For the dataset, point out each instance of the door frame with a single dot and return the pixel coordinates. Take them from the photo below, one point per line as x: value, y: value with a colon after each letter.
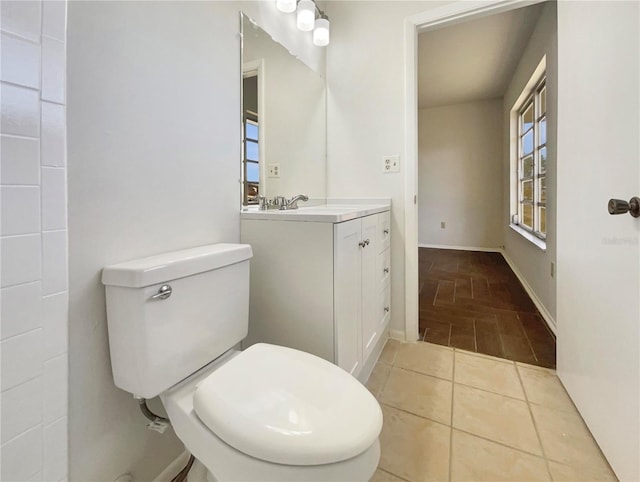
x: 255, y: 68
x: 446, y: 15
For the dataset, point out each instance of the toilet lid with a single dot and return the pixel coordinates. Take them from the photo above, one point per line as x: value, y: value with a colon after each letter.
x: 289, y: 407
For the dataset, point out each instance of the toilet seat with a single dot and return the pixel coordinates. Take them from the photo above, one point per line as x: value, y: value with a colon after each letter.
x: 227, y: 463
x: 288, y: 407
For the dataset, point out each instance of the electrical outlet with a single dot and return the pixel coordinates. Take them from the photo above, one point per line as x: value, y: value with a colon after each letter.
x: 442, y: 224
x: 553, y: 269
x: 391, y: 163
x: 273, y: 170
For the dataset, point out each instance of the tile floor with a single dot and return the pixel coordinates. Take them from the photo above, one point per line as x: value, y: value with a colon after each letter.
x: 456, y: 415
x: 473, y: 301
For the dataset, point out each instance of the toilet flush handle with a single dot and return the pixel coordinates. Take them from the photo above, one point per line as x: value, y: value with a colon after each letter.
x: 163, y: 293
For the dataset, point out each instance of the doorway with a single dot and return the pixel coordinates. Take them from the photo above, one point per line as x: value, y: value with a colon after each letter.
x: 469, y: 77
x: 598, y: 255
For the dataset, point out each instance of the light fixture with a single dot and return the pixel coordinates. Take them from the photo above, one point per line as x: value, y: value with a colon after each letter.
x: 286, y: 6
x: 306, y: 15
x: 321, y: 31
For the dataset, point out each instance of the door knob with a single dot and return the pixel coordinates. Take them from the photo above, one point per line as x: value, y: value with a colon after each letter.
x: 618, y: 206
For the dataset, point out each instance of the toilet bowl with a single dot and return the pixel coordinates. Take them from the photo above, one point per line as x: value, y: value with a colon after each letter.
x: 267, y: 413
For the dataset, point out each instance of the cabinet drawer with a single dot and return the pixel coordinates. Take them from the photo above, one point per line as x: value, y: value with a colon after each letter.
x: 384, y: 234
x: 383, y: 267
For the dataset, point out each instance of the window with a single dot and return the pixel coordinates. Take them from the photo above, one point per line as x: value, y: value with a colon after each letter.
x: 532, y: 163
x: 250, y: 159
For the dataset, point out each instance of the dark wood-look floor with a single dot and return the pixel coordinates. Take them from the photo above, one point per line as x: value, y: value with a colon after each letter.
x: 473, y: 301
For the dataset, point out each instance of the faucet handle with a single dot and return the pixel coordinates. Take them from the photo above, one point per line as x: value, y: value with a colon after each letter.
x: 280, y: 202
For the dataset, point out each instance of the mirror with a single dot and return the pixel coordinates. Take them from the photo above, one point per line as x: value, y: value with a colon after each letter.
x: 283, y: 121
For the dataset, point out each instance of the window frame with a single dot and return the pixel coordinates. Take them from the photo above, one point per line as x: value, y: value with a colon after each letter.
x: 537, y: 175
x: 249, y: 117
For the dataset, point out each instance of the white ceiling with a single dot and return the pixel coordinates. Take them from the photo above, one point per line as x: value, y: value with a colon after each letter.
x: 472, y: 60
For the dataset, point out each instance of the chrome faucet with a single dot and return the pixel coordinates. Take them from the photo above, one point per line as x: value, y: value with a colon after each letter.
x: 293, y: 202
x: 263, y: 203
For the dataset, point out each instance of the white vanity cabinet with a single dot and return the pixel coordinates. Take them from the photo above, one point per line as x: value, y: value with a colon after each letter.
x: 361, y: 288
x: 322, y: 287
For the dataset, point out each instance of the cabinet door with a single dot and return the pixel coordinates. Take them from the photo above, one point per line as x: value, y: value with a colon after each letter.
x: 348, y: 295
x: 370, y: 286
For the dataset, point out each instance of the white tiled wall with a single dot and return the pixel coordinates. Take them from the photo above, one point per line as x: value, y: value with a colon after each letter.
x: 33, y: 230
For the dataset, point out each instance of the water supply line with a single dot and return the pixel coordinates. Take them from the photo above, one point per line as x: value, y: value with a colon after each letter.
x: 158, y: 424
x: 144, y: 408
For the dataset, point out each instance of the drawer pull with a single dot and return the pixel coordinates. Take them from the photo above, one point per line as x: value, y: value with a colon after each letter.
x: 386, y: 309
x: 386, y: 231
x: 386, y: 270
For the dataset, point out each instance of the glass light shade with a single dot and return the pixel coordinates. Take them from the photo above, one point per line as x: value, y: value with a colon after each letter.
x: 321, y: 32
x: 306, y: 15
x: 286, y: 6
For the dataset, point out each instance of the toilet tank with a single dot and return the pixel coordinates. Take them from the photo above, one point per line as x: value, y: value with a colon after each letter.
x: 156, y: 342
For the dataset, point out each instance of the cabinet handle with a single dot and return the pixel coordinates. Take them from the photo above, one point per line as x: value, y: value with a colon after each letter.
x: 364, y: 243
x: 386, y: 270
x: 386, y: 231
x: 386, y: 309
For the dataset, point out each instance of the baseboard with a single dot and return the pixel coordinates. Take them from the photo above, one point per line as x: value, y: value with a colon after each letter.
x: 397, y: 335
x: 461, y: 248
x: 173, y: 468
x: 551, y: 323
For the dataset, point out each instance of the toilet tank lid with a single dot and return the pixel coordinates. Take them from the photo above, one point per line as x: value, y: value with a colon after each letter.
x: 156, y: 269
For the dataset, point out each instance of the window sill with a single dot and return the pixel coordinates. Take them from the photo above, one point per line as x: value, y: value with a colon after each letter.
x: 539, y: 243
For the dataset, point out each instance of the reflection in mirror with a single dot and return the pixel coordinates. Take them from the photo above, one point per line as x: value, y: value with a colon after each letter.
x: 283, y: 121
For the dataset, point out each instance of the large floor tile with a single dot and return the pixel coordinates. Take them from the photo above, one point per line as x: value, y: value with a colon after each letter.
x: 471, y: 292
x: 423, y: 395
x: 495, y: 417
x: 480, y: 372
x: 382, y: 476
x: 414, y: 448
x: 566, y: 473
x: 426, y: 358
x: 565, y: 438
x: 388, y: 354
x: 473, y: 458
x: 378, y: 378
x: 544, y: 388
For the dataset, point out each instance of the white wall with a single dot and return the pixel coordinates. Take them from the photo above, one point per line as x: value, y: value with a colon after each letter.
x: 460, y: 174
x: 34, y: 242
x: 365, y: 113
x: 154, y: 165
x: 533, y: 263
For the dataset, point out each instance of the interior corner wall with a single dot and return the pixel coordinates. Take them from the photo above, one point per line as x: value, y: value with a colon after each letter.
x: 460, y: 175
x: 365, y: 114
x: 154, y: 141
x: 533, y: 263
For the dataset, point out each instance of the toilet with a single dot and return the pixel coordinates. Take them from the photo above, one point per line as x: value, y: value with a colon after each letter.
x: 268, y: 413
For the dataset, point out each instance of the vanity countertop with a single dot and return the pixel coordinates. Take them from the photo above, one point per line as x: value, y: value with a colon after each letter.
x: 323, y: 213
